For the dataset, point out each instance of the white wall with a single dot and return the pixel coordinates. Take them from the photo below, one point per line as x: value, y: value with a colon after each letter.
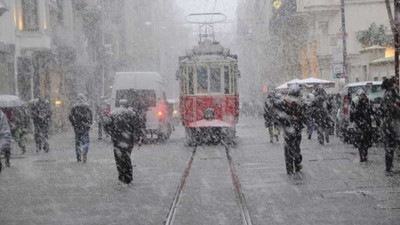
x: 7, y: 27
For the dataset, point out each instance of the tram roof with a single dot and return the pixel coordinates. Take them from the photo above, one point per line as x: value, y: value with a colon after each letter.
x: 206, y: 51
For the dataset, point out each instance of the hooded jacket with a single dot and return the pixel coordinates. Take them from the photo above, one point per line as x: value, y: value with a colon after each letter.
x: 81, y: 116
x: 5, y: 134
x: 123, y: 127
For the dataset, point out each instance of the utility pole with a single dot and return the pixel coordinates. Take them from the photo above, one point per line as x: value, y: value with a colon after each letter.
x: 396, y: 37
x: 103, y: 58
x: 346, y: 77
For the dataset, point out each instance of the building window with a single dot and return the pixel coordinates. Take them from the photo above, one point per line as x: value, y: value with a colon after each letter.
x: 30, y: 17
x: 324, y: 27
x: 56, y: 16
x: 333, y: 41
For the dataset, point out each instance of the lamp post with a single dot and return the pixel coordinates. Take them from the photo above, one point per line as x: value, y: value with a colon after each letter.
x: 346, y: 77
x: 396, y: 37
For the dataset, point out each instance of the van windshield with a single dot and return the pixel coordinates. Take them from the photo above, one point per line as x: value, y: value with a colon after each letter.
x: 137, y: 99
x: 373, y: 91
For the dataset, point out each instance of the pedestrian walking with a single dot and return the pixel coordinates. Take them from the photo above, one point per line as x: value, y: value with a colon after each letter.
x: 391, y: 121
x: 291, y: 117
x: 269, y: 118
x: 103, y: 111
x: 321, y: 115
x: 124, y: 128
x: 17, y: 119
x: 309, y: 114
x: 41, y: 116
x: 81, y: 118
x: 5, y: 140
x: 363, y: 117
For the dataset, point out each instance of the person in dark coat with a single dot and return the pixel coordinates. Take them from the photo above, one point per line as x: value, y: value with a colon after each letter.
x: 81, y: 118
x: 320, y: 115
x: 309, y: 114
x: 291, y: 116
x: 41, y: 116
x: 5, y: 139
x: 391, y: 120
x: 363, y: 116
x: 269, y: 117
x: 124, y: 128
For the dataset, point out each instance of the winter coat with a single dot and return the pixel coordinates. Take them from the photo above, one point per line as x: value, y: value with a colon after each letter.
x: 319, y: 111
x: 81, y: 117
x: 268, y: 113
x: 5, y: 134
x: 362, y: 115
x: 124, y: 128
x: 290, y: 114
x: 41, y: 114
x: 391, y: 115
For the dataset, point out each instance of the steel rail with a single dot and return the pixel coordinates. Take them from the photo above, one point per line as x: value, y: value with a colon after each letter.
x: 244, y: 210
x: 171, y: 214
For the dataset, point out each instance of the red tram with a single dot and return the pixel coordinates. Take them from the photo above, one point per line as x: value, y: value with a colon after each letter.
x: 209, y: 99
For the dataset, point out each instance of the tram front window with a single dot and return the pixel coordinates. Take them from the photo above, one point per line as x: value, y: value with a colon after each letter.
x: 215, y: 80
x: 202, y: 79
x: 190, y: 75
x: 226, y: 79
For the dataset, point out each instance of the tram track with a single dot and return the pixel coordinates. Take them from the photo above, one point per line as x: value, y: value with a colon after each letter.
x: 244, y: 211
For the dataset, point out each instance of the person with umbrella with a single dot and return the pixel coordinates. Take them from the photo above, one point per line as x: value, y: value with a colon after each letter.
x: 14, y: 110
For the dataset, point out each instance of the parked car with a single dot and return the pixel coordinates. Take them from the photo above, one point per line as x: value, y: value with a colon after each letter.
x: 375, y: 94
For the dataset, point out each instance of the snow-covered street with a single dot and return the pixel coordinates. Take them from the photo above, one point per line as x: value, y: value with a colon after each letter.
x: 333, y: 188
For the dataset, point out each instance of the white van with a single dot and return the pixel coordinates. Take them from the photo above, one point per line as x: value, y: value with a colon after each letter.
x: 145, y: 92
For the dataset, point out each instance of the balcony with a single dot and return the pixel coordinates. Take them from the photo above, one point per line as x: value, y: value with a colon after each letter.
x: 319, y: 6
x: 33, y: 40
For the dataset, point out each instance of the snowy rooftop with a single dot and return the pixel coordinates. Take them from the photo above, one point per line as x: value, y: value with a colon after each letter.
x: 383, y: 60
x: 364, y: 83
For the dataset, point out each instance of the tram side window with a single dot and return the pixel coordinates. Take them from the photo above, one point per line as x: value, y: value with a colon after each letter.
x: 190, y: 77
x: 234, y: 77
x: 202, y: 79
x: 215, y: 79
x: 226, y: 79
x: 183, y: 85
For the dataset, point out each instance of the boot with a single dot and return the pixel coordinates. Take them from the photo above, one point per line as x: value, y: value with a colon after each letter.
x: 84, y: 157
x: 299, y: 167
x: 78, y: 158
x: 289, y: 170
x: 7, y: 160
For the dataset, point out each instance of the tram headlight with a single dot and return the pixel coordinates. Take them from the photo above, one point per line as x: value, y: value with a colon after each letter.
x: 209, y: 114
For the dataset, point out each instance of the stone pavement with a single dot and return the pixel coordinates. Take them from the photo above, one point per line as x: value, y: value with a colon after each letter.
x: 333, y: 188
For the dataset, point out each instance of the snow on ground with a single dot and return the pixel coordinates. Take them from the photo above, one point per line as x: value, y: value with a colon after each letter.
x: 334, y: 187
